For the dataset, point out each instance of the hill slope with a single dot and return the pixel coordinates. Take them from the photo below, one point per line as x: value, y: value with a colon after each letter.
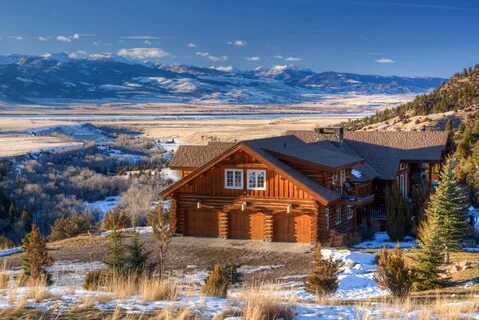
x: 460, y: 92
x: 57, y: 77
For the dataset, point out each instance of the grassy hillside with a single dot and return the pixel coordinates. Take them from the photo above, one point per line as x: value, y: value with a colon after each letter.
x: 458, y: 93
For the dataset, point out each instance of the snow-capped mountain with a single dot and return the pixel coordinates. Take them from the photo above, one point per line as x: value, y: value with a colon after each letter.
x: 62, y: 77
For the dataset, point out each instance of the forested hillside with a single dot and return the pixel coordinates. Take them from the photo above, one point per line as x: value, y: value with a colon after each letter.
x: 459, y: 92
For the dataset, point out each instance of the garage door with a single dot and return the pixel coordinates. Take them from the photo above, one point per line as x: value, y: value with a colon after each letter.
x: 202, y: 222
x: 292, y: 227
x: 246, y: 225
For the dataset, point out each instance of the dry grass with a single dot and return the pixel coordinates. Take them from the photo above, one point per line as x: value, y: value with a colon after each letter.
x: 174, y: 314
x: 38, y: 292
x: 157, y: 289
x: 262, y: 304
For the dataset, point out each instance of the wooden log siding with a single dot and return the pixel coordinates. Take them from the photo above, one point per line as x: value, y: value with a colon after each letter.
x: 173, y: 215
x: 223, y: 228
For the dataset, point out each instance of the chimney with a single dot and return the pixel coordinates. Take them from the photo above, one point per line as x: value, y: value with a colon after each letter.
x: 334, y: 134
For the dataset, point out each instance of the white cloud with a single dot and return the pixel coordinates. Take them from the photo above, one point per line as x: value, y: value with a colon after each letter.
x: 95, y: 43
x: 202, y: 54
x: 40, y: 38
x: 238, y: 43
x: 18, y: 38
x: 63, y: 39
x: 253, y: 58
x: 218, y: 59
x: 140, y: 37
x: 292, y: 59
x: 278, y: 56
x: 384, y: 61
x: 191, y: 45
x: 147, y: 43
x: 75, y: 36
x: 143, y: 53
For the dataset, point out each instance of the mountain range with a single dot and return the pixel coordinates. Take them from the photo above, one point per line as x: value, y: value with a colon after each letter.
x: 62, y: 78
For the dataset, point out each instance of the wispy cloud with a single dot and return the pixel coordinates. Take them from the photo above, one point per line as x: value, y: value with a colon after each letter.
x: 147, y: 43
x: 202, y: 54
x: 238, y: 43
x: 191, y: 45
x: 278, y: 56
x: 143, y: 53
x: 141, y: 37
x: 384, y: 61
x: 218, y: 59
x: 80, y: 54
x: 40, y: 38
x: 292, y: 59
x: 18, y: 38
x: 63, y: 38
x: 253, y: 58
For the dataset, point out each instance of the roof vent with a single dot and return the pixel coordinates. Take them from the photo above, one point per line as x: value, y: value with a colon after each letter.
x: 335, y: 134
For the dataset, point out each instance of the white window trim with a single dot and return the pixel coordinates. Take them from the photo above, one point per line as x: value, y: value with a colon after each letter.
x: 339, y: 215
x: 326, y: 217
x: 240, y: 171
x: 257, y: 171
x: 350, y: 212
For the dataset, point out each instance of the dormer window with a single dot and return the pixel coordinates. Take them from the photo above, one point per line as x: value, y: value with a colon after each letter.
x: 233, y: 179
x: 256, y: 179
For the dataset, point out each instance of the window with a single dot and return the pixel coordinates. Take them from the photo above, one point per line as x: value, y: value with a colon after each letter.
x: 350, y: 212
x: 403, y: 166
x: 334, y: 179
x: 326, y: 217
x: 233, y: 179
x: 256, y: 179
x: 338, y: 214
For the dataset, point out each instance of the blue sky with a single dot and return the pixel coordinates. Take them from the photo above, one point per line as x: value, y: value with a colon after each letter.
x: 401, y: 37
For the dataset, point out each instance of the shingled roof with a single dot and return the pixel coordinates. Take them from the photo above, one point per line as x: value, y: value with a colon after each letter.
x: 194, y: 156
x: 383, y: 150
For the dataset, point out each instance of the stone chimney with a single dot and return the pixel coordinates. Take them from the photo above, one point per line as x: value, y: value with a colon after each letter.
x: 334, y: 134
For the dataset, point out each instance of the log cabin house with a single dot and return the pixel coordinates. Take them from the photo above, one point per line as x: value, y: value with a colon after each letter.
x: 305, y: 186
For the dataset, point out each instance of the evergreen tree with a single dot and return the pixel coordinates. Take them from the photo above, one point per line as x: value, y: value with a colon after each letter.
x: 448, y: 127
x: 427, y: 257
x: 324, y: 278
x: 160, y: 224
x: 449, y: 209
x: 138, y: 256
x: 27, y: 221
x: 398, y: 214
x: 392, y: 274
x: 463, y: 149
x: 36, y: 259
x: 115, y: 260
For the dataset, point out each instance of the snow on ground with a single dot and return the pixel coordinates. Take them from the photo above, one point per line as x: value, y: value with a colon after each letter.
x: 381, y: 239
x: 102, y: 206
x: 173, y: 175
x: 140, y: 230
x: 9, y: 252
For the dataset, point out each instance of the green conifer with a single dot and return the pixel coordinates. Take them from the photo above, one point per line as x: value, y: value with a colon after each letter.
x: 115, y: 260
x: 137, y: 255
x: 398, y: 213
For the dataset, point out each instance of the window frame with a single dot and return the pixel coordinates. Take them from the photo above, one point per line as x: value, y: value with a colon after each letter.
x: 339, y: 214
x: 256, y: 179
x: 235, y: 171
x: 350, y: 213
x: 342, y: 176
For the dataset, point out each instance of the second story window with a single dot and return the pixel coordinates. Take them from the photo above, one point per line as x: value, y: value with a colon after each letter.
x: 338, y: 214
x: 256, y: 179
x: 350, y: 212
x: 233, y: 179
x: 342, y: 176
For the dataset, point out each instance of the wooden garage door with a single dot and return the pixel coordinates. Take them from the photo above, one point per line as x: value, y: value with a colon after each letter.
x: 202, y: 222
x: 246, y: 225
x: 292, y: 227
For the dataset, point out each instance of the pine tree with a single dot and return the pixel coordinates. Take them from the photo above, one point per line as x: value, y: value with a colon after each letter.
x: 398, y: 214
x: 36, y: 259
x: 27, y: 221
x: 427, y: 257
x: 392, y: 274
x: 115, y: 259
x: 324, y: 278
x: 448, y: 207
x: 448, y: 127
x: 137, y: 256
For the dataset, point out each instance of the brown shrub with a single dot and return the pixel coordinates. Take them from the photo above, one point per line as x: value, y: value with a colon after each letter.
x: 392, y: 274
x: 71, y: 226
x: 324, y: 278
x: 116, y: 220
x: 216, y: 284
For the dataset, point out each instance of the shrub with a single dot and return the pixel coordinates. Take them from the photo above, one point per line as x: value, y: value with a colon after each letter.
x: 367, y: 232
x: 216, y: 284
x: 5, y: 243
x: 324, y: 278
x: 94, y: 280
x: 266, y: 306
x: 159, y: 222
x: 137, y: 260
x: 398, y: 213
x: 115, y: 259
x: 35, y: 260
x: 68, y: 227
x: 116, y: 220
x: 234, y: 276
x: 392, y: 274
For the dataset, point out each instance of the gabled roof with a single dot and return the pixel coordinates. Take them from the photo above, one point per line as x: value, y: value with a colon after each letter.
x: 259, y: 148
x: 383, y: 150
x: 192, y: 156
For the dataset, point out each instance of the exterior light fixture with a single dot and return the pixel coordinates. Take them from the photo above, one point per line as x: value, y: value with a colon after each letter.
x: 289, y: 208
x: 243, y: 206
x: 198, y: 205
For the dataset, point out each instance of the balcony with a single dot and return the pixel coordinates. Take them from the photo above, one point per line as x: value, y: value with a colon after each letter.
x: 358, y: 192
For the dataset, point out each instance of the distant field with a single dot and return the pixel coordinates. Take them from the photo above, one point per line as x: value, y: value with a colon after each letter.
x: 21, y: 144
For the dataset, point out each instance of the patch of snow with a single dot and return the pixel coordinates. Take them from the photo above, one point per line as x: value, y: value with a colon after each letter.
x: 102, y: 206
x: 381, y: 239
x: 356, y: 173
x: 140, y: 230
x: 253, y: 269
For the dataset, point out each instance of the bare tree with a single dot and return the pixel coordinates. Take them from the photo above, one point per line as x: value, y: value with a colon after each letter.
x: 158, y: 220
